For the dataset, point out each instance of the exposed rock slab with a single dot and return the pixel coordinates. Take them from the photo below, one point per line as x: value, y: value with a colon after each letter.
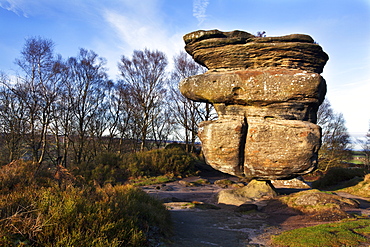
x: 320, y: 205
x: 294, y: 183
x: 241, y: 50
x: 255, y: 190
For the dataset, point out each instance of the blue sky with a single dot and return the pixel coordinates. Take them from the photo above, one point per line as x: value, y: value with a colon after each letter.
x: 113, y: 28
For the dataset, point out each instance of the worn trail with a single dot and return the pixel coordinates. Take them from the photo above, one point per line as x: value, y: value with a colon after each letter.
x: 225, y: 226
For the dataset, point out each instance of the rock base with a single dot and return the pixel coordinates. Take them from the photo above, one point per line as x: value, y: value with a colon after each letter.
x: 255, y: 190
x: 294, y: 183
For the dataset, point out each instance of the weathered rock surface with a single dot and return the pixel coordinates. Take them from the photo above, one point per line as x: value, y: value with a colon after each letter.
x: 225, y: 154
x: 266, y: 91
x: 320, y: 205
x: 255, y: 87
x: 294, y: 183
x: 280, y: 148
x: 255, y: 190
x: 241, y: 50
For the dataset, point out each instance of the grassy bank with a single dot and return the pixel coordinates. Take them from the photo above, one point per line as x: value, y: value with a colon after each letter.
x: 349, y: 233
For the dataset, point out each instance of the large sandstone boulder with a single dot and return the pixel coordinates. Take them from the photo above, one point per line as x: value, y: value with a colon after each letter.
x: 266, y: 91
x: 280, y: 148
x: 225, y: 150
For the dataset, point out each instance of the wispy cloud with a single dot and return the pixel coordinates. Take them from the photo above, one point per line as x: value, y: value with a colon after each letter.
x: 111, y: 27
x: 15, y: 6
x: 199, y: 10
x: 139, y: 27
x: 50, y: 8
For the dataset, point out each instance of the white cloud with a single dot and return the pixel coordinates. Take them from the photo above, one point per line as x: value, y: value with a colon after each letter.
x: 140, y: 27
x: 199, y: 10
x: 51, y: 8
x: 16, y: 6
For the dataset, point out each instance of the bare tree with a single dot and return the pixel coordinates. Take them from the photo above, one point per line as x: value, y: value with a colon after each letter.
x: 324, y: 114
x: 336, y: 142
x: 187, y: 113
x: 12, y: 121
x: 162, y: 125
x: 37, y: 88
x: 144, y: 77
x: 87, y: 94
x: 61, y: 124
x: 126, y: 111
x: 113, y: 113
x: 365, y: 144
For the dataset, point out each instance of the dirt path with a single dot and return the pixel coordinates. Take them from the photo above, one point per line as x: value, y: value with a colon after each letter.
x: 214, y: 228
x: 209, y: 227
x: 224, y: 226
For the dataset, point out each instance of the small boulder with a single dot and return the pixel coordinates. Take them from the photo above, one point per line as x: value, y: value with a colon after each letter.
x: 223, y: 183
x: 294, y: 183
x: 255, y: 190
x: 185, y: 183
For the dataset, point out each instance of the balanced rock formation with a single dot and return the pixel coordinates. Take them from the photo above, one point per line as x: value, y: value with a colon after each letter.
x: 266, y: 91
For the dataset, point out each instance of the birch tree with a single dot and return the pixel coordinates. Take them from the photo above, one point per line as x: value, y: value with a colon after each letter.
x: 144, y: 76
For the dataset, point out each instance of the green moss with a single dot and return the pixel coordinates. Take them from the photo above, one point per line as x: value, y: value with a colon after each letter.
x: 347, y: 233
x: 151, y: 180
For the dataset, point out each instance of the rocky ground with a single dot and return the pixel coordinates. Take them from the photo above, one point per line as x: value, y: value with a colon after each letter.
x: 200, y: 221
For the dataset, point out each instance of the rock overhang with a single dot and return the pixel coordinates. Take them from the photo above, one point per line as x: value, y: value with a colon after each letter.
x: 241, y: 50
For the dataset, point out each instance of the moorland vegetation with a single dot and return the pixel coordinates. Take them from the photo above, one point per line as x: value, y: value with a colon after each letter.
x: 72, y: 141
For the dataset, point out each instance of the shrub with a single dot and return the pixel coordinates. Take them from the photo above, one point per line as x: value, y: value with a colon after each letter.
x: 35, y: 213
x: 116, y: 169
x: 158, y: 162
x: 105, y: 168
x: 108, y: 216
x: 21, y: 173
x: 337, y: 175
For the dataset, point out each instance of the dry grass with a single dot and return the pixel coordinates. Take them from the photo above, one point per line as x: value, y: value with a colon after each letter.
x: 35, y: 215
x: 361, y: 189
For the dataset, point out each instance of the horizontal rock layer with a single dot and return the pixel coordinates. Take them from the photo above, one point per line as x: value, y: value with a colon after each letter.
x: 254, y: 87
x: 241, y: 50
